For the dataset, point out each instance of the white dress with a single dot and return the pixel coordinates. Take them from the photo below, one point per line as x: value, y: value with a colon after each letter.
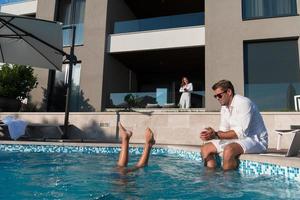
x: 185, y: 99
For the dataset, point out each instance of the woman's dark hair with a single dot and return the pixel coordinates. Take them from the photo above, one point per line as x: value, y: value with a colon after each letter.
x: 224, y: 84
x: 182, y: 81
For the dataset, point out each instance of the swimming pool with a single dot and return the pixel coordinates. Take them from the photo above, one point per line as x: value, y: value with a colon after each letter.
x: 69, y: 172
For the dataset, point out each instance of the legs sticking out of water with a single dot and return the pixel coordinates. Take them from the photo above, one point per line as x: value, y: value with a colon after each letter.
x: 149, y: 142
x: 125, y: 137
x: 123, y: 157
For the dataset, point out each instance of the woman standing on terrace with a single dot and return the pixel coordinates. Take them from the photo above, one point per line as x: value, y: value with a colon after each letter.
x: 186, y: 88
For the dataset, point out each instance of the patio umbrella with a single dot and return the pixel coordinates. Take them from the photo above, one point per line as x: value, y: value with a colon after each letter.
x: 35, y: 42
x: 30, y: 41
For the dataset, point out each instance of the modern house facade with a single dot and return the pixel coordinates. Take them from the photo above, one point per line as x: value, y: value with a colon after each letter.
x: 142, y: 49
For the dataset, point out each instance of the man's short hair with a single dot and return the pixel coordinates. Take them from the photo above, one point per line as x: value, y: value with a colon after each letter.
x: 224, y: 85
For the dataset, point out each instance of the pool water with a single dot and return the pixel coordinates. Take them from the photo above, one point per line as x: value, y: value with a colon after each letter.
x: 94, y: 176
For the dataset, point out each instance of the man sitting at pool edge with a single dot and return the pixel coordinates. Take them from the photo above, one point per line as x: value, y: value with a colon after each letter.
x: 241, y: 129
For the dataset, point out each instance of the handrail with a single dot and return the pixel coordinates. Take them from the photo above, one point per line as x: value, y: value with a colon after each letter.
x: 8, y: 2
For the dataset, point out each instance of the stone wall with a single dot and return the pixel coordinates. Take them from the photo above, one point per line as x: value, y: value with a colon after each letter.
x: 180, y: 128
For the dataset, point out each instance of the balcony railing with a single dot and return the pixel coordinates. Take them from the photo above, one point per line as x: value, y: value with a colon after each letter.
x: 138, y: 99
x: 67, y: 35
x: 184, y: 20
x: 160, y: 98
x: 4, y: 2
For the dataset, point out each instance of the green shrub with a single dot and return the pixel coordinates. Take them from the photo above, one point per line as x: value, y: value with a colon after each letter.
x: 16, y: 81
x: 131, y: 101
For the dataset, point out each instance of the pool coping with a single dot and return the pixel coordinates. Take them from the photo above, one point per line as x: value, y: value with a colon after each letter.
x: 269, y: 158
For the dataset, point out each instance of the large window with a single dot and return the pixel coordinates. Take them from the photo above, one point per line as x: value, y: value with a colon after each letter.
x: 71, y: 12
x: 59, y: 89
x: 272, y: 74
x: 253, y: 9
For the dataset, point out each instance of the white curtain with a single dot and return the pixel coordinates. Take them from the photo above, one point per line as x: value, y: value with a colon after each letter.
x: 79, y: 11
x: 71, y: 11
x: 253, y: 8
x: 284, y: 7
x: 64, y: 15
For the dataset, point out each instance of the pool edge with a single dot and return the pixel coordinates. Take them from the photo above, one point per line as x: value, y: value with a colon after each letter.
x: 265, y: 158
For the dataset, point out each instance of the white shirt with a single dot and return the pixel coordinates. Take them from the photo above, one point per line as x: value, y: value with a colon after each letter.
x: 188, y: 86
x: 244, y: 119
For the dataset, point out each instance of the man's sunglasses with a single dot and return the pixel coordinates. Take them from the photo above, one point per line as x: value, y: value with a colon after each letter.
x: 220, y: 95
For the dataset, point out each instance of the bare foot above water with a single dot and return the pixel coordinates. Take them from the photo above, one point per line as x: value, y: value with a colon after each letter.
x: 149, y: 137
x: 124, y: 133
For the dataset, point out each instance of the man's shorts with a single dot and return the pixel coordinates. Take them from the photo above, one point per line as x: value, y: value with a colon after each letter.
x: 248, y: 144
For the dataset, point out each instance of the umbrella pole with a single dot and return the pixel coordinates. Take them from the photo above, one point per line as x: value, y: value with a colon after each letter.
x: 72, y: 61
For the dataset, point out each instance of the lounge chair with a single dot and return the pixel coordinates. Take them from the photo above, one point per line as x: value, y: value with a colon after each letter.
x: 22, y: 130
x: 43, y: 131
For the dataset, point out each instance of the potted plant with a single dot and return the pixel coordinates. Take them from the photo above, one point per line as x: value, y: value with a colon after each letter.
x: 131, y: 101
x: 16, y: 81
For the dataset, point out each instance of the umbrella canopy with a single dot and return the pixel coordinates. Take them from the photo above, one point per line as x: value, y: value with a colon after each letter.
x: 31, y: 41
x: 38, y: 43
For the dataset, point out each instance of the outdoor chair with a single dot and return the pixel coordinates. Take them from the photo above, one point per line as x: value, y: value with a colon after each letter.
x: 43, y: 131
x: 32, y: 131
x: 297, y: 102
x: 294, y: 147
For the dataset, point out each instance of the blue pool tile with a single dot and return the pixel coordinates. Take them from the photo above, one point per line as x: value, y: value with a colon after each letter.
x: 246, y: 167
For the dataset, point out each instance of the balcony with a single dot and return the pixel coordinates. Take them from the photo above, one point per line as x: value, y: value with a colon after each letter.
x: 18, y: 7
x: 176, y: 31
x: 158, y: 23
